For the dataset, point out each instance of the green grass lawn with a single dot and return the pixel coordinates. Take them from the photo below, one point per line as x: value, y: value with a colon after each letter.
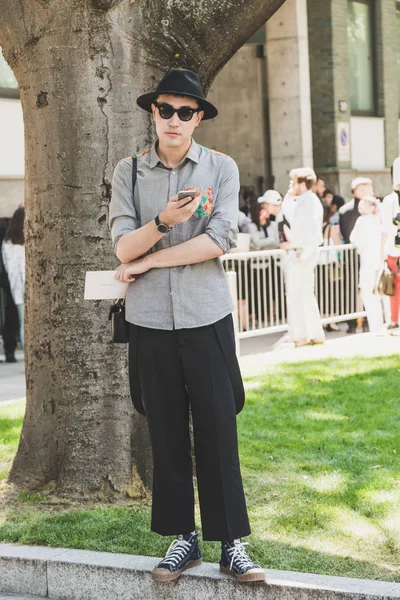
x: 320, y: 452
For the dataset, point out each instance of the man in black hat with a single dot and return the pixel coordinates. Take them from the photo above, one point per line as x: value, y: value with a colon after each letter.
x: 179, y: 309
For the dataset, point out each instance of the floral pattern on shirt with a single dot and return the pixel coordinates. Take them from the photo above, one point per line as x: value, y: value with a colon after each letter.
x: 206, y: 202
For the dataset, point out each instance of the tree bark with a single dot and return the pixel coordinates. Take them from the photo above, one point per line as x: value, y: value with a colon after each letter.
x: 80, y: 66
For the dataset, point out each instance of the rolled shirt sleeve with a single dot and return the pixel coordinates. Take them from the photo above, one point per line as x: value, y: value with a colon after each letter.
x: 123, y: 217
x: 222, y: 226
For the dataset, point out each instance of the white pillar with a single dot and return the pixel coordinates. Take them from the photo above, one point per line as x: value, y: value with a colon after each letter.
x: 289, y: 91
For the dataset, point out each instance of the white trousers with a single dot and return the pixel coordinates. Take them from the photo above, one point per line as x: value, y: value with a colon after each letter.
x: 303, y: 312
x: 374, y: 309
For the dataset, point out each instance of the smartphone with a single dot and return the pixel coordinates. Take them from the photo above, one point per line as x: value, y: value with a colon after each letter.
x: 185, y: 194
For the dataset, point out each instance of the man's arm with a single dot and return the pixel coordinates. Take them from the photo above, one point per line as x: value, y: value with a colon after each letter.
x: 215, y: 242
x: 134, y: 244
x: 196, y: 250
x: 131, y: 239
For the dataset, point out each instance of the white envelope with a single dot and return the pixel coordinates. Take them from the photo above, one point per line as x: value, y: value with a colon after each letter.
x: 102, y: 285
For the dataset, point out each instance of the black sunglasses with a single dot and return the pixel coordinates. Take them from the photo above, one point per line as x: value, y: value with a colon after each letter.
x: 185, y: 113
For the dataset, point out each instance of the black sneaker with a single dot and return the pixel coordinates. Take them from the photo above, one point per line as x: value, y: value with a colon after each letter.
x: 235, y: 561
x: 183, y: 553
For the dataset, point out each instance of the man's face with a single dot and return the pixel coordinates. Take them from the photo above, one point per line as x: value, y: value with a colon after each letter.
x: 172, y: 132
x: 328, y: 199
x: 365, y: 189
x: 298, y: 188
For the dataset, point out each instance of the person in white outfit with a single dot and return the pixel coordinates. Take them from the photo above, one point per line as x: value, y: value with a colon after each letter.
x: 367, y: 237
x: 390, y: 210
x: 304, y: 237
x: 13, y: 254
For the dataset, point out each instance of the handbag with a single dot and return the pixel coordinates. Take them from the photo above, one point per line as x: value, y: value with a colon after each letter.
x: 119, y: 325
x: 385, y: 285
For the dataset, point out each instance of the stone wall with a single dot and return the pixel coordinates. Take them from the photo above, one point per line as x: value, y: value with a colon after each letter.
x: 11, y: 196
x: 239, y: 128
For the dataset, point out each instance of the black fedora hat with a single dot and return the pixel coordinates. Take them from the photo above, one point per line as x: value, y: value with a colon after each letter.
x: 180, y: 82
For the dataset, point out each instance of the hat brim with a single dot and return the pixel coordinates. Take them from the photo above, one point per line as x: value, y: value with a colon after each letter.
x: 146, y: 100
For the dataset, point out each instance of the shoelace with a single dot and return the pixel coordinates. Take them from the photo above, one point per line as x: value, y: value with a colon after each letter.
x: 238, y: 553
x: 176, y: 552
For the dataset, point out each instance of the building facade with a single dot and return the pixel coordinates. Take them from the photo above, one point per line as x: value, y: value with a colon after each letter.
x: 319, y: 88
x: 319, y: 85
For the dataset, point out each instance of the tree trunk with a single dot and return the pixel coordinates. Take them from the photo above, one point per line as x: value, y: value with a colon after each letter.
x: 80, y: 67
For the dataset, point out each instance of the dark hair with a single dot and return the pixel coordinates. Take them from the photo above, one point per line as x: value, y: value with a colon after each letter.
x: 248, y: 194
x: 327, y: 192
x: 15, y: 229
x: 309, y: 182
x: 337, y: 201
x: 255, y: 210
x: 321, y: 179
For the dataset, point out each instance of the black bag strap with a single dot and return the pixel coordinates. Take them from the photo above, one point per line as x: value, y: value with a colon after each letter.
x: 134, y: 179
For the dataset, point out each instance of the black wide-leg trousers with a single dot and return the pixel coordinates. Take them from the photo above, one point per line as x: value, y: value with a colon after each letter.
x: 189, y: 369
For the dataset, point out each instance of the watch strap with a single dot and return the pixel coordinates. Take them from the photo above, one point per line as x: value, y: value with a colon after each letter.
x: 163, y: 225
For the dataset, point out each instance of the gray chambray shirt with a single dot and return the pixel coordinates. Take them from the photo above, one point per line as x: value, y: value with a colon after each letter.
x: 192, y: 295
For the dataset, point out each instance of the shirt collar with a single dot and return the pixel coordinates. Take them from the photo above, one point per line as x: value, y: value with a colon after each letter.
x: 192, y: 154
x: 301, y: 195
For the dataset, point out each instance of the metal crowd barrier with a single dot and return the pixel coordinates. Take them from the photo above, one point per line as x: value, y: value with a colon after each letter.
x: 257, y: 281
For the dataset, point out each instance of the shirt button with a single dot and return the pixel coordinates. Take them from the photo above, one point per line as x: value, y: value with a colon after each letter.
x: 173, y: 173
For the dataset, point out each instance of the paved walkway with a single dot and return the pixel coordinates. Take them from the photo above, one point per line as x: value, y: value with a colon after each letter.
x: 256, y: 357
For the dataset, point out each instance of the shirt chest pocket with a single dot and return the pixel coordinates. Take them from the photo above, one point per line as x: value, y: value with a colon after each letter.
x: 206, y: 205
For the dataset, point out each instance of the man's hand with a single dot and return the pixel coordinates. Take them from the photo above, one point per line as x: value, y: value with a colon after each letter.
x: 179, y: 211
x: 285, y: 246
x: 126, y: 272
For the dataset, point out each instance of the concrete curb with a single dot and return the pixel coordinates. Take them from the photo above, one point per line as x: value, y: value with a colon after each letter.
x: 63, y: 574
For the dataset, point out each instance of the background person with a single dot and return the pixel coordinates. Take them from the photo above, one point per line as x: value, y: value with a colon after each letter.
x: 348, y: 215
x: 264, y: 228
x: 367, y: 237
x: 336, y: 205
x: 390, y: 209
x: 9, y: 315
x: 13, y: 255
x: 319, y: 188
x: 305, y: 236
x: 265, y: 272
x: 249, y: 198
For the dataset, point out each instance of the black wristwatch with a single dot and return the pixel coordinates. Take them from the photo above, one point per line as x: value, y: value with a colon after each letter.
x: 162, y: 228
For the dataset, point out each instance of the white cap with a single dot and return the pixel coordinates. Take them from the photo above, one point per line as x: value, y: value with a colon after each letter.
x: 360, y: 181
x: 396, y: 173
x: 303, y: 173
x: 271, y: 197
